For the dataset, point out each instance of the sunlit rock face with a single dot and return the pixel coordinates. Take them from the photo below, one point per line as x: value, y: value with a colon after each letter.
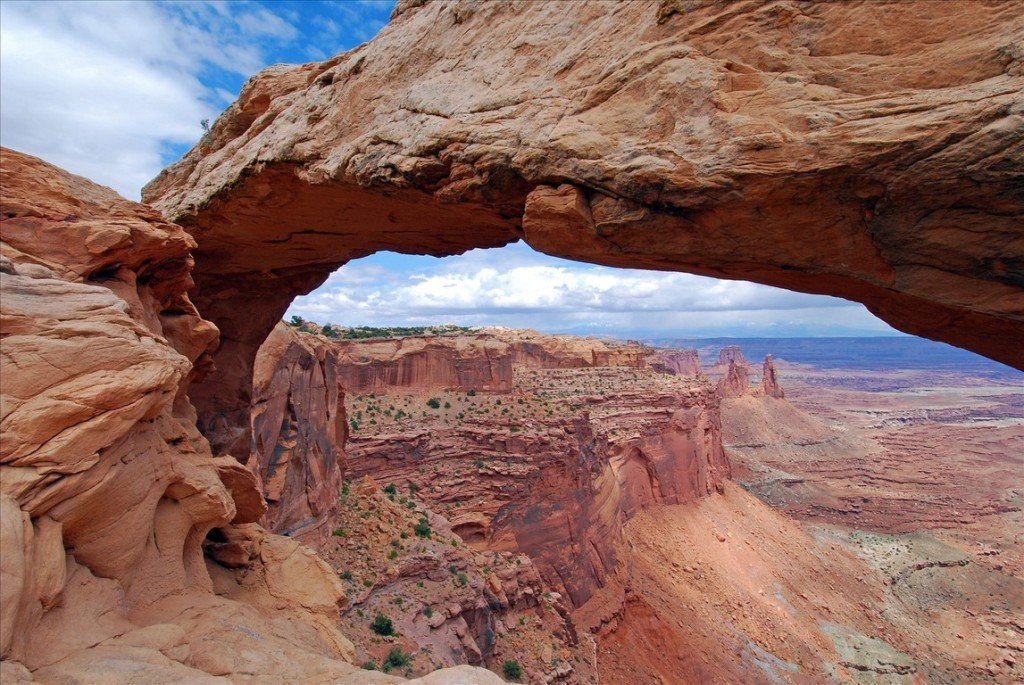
x: 463, y: 362
x: 865, y: 150
x: 586, y: 436
x: 128, y: 550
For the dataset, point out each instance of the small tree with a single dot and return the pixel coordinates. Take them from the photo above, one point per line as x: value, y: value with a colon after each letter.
x: 297, y: 321
x: 329, y: 331
x: 382, y: 625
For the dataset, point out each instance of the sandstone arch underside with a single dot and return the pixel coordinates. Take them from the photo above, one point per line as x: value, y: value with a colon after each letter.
x: 871, y: 151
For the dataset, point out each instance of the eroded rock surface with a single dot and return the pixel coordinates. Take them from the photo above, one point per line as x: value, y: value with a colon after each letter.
x: 299, y: 430
x: 128, y: 551
x: 462, y: 362
x: 552, y: 468
x: 865, y: 150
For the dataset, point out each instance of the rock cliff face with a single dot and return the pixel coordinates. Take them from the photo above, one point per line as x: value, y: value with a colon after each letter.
x: 736, y: 381
x: 554, y: 468
x: 129, y: 551
x: 298, y: 433
x: 732, y: 354
x: 865, y: 150
x: 675, y: 362
x: 448, y: 602
x: 454, y: 363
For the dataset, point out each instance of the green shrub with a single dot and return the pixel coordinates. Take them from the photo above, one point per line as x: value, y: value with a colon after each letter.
x: 338, y: 532
x: 396, y: 659
x: 434, y: 403
x: 393, y: 554
x: 390, y: 489
x: 345, y: 575
x: 382, y: 625
x: 512, y: 669
x: 428, y: 611
x: 471, y: 393
x: 422, y: 528
x: 369, y: 666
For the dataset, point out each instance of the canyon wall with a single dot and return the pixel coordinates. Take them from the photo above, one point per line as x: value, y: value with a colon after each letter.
x: 675, y: 362
x: 864, y: 150
x: 298, y: 433
x: 458, y: 363
x: 551, y: 478
x: 129, y: 550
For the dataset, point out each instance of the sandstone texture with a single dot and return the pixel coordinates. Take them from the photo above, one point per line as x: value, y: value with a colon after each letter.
x: 449, y: 604
x: 553, y: 467
x: 128, y: 550
x: 735, y: 382
x: 917, y: 472
x: 675, y: 361
x: 298, y: 433
x: 449, y: 362
x: 866, y: 150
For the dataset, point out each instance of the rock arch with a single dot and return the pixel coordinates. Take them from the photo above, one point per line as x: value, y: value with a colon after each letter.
x: 871, y: 151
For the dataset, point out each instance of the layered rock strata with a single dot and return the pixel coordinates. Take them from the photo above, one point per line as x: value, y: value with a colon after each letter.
x: 129, y: 551
x: 451, y: 362
x: 553, y: 469
x: 675, y: 362
x: 864, y: 150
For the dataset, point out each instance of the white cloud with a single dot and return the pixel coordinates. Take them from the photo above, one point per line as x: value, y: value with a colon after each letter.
x: 104, y: 88
x: 518, y: 287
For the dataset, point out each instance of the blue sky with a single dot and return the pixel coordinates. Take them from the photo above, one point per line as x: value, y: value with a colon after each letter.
x: 115, y: 91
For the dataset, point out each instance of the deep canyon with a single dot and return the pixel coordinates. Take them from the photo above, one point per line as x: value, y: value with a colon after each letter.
x: 193, y: 491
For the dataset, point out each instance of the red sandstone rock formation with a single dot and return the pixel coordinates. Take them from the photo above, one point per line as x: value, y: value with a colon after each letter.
x: 127, y: 552
x: 553, y: 480
x: 630, y: 135
x: 676, y: 362
x: 732, y: 354
x: 736, y: 381
x: 531, y: 349
x: 456, y: 363
x: 298, y: 429
x: 450, y: 603
x: 769, y: 386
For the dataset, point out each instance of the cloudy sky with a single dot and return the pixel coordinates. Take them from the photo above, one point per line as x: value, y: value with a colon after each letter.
x: 115, y: 91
